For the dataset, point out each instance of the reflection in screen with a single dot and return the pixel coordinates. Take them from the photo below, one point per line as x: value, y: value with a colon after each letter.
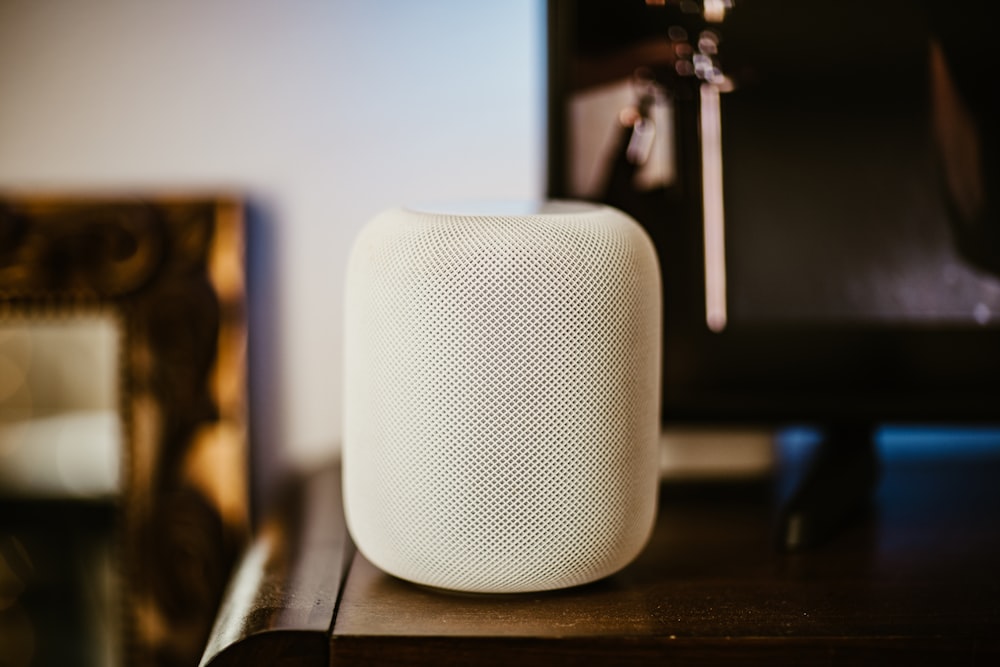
x: 836, y: 210
x: 857, y: 173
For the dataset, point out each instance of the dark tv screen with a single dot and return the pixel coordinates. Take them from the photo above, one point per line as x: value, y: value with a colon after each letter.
x: 820, y: 180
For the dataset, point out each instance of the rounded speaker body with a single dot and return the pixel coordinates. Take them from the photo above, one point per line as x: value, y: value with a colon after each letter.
x: 502, y: 396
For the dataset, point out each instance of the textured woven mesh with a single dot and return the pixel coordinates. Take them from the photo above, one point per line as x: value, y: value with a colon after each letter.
x: 502, y: 397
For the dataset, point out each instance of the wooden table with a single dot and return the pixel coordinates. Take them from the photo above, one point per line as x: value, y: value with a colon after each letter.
x: 917, y: 580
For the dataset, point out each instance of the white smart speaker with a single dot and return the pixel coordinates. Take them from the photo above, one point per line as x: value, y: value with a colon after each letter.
x: 502, y: 394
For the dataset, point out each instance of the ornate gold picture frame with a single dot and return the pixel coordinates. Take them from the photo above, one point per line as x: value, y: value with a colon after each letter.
x: 172, y: 272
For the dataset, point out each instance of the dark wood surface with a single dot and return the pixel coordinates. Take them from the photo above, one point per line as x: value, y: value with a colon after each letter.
x: 281, y: 600
x: 917, y: 579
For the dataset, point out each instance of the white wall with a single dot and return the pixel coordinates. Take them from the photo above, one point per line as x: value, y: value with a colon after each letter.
x: 329, y: 110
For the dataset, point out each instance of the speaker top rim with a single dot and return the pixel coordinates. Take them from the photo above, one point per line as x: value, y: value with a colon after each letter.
x: 504, y: 208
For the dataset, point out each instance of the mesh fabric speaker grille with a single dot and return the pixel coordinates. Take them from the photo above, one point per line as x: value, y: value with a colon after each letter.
x: 502, y: 397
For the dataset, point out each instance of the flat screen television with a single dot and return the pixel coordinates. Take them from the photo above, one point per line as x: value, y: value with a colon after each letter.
x: 821, y: 182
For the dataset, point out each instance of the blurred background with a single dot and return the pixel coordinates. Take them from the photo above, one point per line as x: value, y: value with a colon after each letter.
x: 323, y: 112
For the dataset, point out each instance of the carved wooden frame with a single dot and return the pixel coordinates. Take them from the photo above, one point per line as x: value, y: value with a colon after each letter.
x: 173, y: 271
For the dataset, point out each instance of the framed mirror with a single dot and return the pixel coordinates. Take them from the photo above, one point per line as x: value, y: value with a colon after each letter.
x: 124, y: 458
